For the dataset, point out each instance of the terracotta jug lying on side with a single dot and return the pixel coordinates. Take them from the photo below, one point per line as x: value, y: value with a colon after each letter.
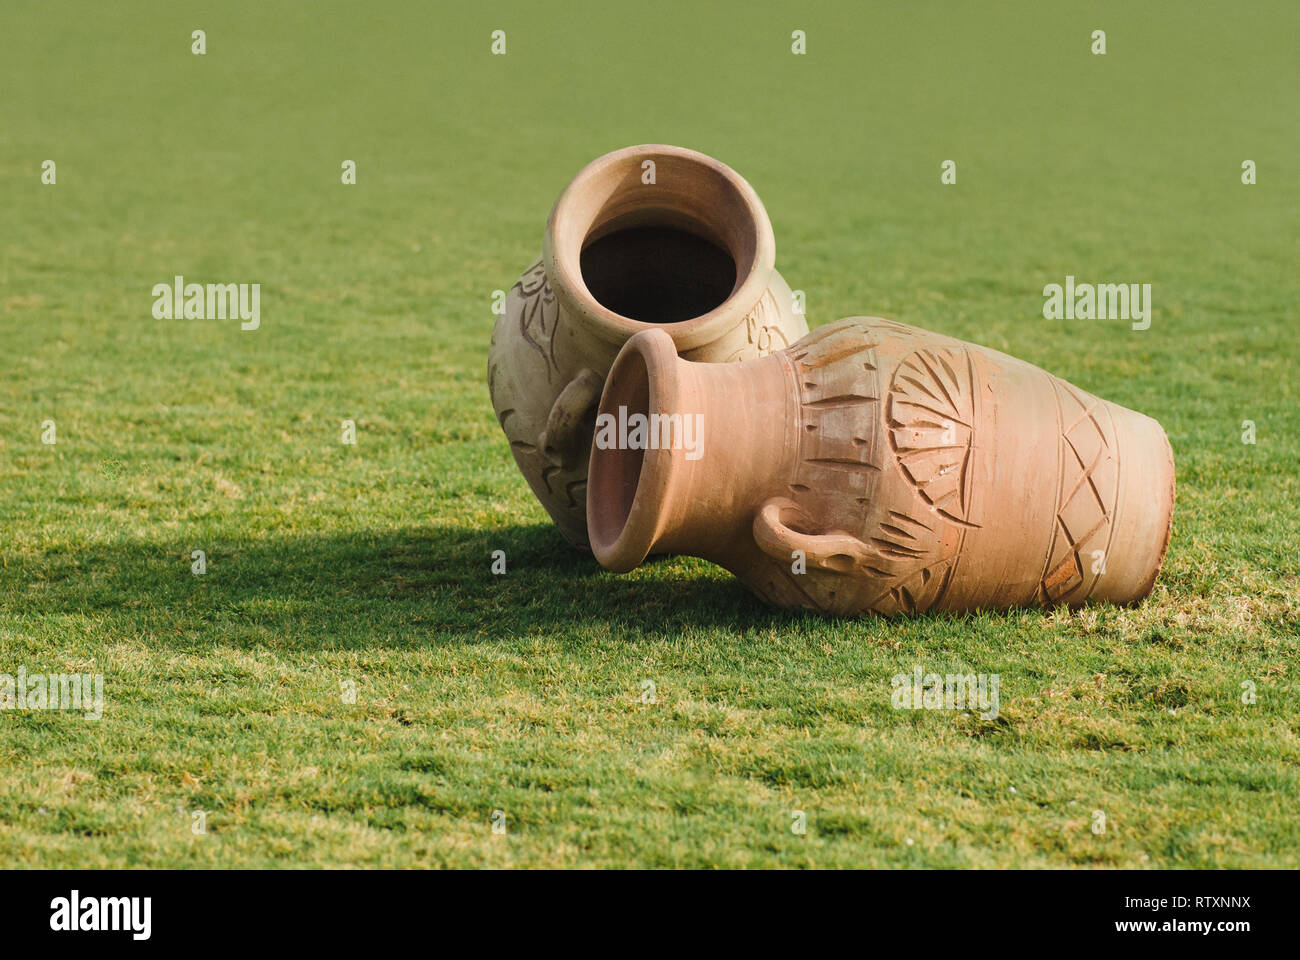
x: 903, y: 470
x: 650, y: 237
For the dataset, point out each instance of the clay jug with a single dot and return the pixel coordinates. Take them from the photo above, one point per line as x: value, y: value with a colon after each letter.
x: 876, y: 467
x: 650, y: 237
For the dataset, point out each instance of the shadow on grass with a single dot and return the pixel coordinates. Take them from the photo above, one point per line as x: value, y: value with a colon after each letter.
x: 391, y: 587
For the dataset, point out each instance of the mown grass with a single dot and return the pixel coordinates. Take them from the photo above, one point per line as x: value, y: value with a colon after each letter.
x: 370, y: 564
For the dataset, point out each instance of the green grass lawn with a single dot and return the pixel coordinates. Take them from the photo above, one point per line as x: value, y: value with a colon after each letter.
x: 331, y: 565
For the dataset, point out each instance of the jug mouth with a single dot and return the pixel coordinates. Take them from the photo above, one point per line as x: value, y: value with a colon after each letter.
x: 628, y: 489
x: 658, y: 236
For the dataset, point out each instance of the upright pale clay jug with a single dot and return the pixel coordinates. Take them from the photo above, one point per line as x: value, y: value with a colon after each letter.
x: 876, y: 467
x: 647, y: 238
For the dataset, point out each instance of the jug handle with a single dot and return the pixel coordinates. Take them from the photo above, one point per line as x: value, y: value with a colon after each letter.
x: 835, y: 551
x: 560, y: 441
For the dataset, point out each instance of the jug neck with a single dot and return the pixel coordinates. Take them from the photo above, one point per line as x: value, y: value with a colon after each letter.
x: 685, y: 453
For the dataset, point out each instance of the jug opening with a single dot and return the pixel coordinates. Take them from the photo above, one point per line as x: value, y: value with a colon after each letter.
x: 657, y: 274
x: 616, y: 470
x: 658, y: 237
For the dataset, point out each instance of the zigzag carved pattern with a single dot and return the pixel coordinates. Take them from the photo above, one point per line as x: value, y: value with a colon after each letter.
x: 1089, y: 487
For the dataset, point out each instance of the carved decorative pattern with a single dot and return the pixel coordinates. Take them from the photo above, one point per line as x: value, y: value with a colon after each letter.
x: 930, y: 416
x: 537, y: 318
x: 889, y: 482
x: 763, y: 330
x: 917, y: 561
x: 931, y: 422
x: 539, y: 314
x: 838, y: 393
x: 839, y: 449
x: 908, y: 556
x: 1086, y: 505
